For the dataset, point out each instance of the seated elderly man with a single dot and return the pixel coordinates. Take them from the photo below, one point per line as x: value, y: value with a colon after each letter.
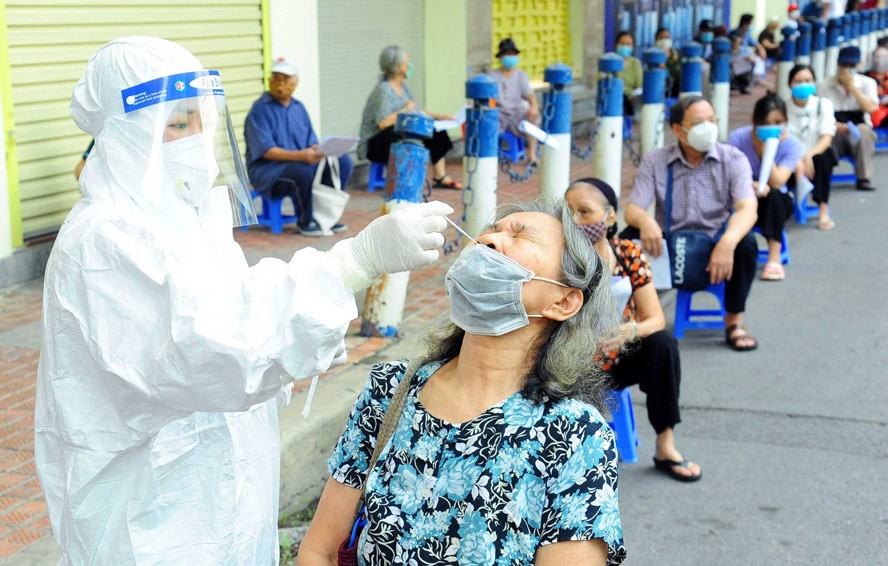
x: 282, y: 156
x: 854, y: 98
x: 516, y: 101
x: 712, y: 192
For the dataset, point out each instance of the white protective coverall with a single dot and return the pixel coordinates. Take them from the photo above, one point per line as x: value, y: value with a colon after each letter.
x: 156, y: 423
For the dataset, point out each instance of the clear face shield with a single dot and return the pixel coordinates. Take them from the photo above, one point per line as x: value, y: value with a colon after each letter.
x: 199, y: 157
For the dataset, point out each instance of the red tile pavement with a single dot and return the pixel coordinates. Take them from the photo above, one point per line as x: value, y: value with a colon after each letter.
x: 23, y: 516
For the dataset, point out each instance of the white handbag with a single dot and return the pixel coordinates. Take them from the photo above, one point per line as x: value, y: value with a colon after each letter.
x: 328, y: 202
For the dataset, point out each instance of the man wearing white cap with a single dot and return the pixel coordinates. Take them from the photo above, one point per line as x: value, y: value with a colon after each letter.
x: 282, y: 156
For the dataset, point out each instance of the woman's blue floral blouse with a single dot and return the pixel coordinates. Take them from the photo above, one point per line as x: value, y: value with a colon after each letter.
x: 491, y: 490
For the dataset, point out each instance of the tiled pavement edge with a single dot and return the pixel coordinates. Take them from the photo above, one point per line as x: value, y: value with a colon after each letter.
x: 23, y: 516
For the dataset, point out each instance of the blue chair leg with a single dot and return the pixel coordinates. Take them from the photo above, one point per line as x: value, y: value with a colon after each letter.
x: 623, y: 425
x: 275, y: 216
x: 845, y: 178
x: 376, y: 179
x: 784, y: 248
x: 688, y: 318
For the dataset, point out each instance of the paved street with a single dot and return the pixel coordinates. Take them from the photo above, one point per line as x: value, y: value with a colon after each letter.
x: 792, y: 438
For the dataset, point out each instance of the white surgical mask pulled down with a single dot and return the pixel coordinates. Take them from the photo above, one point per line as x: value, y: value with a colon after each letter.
x: 485, y: 287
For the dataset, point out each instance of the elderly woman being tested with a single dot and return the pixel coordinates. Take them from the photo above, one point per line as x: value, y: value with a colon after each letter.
x: 499, y: 454
x: 390, y: 97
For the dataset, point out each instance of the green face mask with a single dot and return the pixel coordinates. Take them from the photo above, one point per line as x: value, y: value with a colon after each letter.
x: 409, y: 70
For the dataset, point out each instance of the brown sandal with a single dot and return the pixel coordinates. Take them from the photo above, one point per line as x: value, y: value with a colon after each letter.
x: 449, y: 184
x: 733, y: 340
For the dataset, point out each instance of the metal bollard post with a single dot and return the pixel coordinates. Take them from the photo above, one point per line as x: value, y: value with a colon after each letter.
x: 721, y: 84
x: 833, y: 41
x: 555, y: 162
x: 691, y: 70
x: 854, y: 18
x: 482, y: 150
x: 653, y: 91
x: 787, y: 55
x: 873, y: 16
x: 405, y: 181
x: 865, y: 47
x: 803, y: 44
x: 883, y: 22
x: 609, y: 144
x: 818, y: 48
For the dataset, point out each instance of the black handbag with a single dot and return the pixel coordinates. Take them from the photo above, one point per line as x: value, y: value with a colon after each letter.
x: 689, y: 250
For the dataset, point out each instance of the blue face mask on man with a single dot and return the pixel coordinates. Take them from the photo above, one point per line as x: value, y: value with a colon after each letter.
x: 485, y: 287
x: 804, y: 91
x: 509, y: 61
x: 624, y: 50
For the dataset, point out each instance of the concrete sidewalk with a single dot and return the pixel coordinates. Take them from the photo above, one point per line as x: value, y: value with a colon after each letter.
x: 791, y: 437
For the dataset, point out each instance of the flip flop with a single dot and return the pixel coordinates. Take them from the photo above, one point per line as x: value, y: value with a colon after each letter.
x: 732, y: 342
x: 773, y: 272
x: 827, y: 225
x: 451, y: 184
x: 666, y: 466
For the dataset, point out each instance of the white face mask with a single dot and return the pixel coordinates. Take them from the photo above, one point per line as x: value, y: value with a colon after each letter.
x: 191, y: 166
x: 664, y: 44
x: 702, y: 136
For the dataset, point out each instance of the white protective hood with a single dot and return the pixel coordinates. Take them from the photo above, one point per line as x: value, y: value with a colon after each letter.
x: 156, y: 425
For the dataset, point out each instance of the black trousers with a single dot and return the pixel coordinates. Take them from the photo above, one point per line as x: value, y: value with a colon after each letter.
x: 745, y: 263
x: 773, y: 211
x: 379, y: 145
x: 654, y: 364
x: 823, y: 168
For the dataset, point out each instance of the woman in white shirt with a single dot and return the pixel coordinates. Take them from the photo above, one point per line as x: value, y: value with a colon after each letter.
x: 811, y: 121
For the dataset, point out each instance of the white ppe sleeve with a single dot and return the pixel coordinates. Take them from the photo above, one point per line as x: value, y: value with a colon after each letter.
x: 207, y: 334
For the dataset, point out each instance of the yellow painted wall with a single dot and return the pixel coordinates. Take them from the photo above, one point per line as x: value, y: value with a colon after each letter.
x: 541, y: 29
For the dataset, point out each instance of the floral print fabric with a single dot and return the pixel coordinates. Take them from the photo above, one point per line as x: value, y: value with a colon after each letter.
x: 489, y: 491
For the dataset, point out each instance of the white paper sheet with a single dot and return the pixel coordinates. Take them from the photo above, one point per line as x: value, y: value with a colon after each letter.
x: 661, y: 271
x: 337, y: 146
x: 458, y: 120
x: 541, y: 135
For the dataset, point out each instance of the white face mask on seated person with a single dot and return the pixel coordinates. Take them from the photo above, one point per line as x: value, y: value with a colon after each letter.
x: 702, y: 136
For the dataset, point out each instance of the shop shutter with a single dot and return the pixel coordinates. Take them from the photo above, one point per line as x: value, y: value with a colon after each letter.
x: 50, y: 42
x: 351, y: 36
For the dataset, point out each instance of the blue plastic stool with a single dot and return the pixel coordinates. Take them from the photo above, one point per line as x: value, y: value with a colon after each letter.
x: 627, y: 127
x: 623, y: 424
x: 376, y: 179
x: 687, y: 318
x: 881, y: 138
x: 784, y: 248
x: 511, y: 147
x: 801, y: 209
x: 271, y: 214
x: 845, y: 178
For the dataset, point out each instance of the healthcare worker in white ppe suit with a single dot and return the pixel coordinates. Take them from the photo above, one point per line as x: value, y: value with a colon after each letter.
x: 163, y: 352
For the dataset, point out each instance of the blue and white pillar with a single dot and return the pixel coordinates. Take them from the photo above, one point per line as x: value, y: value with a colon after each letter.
x: 818, y: 48
x: 846, y: 30
x: 404, y: 187
x: 787, y: 58
x: 803, y: 44
x: 482, y: 151
x: 555, y: 161
x: 609, y: 142
x: 854, y: 18
x: 721, y: 84
x: 865, y: 47
x: 653, y: 93
x: 833, y: 43
x: 691, y: 70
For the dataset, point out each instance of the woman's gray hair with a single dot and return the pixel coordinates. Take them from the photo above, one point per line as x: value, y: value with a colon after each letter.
x: 565, y: 360
x: 390, y: 60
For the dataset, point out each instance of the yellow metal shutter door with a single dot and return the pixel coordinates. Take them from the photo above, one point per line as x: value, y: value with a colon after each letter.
x: 50, y: 42
x: 540, y: 28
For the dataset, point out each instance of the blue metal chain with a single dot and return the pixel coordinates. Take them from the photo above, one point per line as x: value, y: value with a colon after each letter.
x: 467, y: 197
x: 584, y: 153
